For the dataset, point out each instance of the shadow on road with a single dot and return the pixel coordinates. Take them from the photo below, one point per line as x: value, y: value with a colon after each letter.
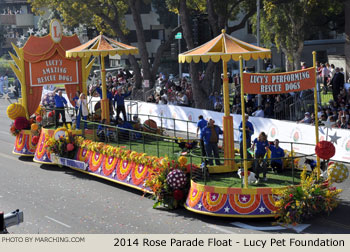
x: 337, y: 222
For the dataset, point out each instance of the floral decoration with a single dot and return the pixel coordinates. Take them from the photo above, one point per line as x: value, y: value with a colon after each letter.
x: 301, y: 202
x: 65, y: 146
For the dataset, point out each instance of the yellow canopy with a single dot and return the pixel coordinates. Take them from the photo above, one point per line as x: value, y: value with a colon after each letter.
x: 226, y: 48
x: 101, y: 45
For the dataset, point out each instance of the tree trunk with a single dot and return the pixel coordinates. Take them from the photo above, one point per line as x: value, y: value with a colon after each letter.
x: 115, y: 24
x: 136, y: 14
x: 347, y: 39
x: 199, y: 96
x: 162, y: 48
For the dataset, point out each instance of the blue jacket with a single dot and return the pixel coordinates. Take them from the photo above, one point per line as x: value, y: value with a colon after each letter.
x: 119, y: 99
x: 109, y: 94
x: 248, y: 125
x: 60, y: 101
x: 206, y: 133
x: 201, y: 124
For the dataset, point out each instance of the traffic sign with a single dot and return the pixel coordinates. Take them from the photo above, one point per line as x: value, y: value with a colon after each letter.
x: 178, y: 35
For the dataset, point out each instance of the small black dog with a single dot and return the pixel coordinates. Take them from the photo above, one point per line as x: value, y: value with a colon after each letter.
x: 313, y: 164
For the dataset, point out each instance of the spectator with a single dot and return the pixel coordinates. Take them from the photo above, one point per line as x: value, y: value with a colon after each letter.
x: 337, y: 83
x: 259, y: 112
x: 2, y: 91
x: 306, y: 119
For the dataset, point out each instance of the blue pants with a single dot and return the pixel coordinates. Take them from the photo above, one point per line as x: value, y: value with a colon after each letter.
x: 211, y: 148
x: 78, y: 120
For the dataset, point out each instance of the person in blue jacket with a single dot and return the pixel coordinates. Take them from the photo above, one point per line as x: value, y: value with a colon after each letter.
x: 262, y: 146
x: 249, y: 132
x: 201, y: 124
x: 278, y: 153
x: 119, y: 99
x: 210, y: 136
x: 60, y: 103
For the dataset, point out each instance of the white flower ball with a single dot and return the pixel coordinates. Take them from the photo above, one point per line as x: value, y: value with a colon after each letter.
x: 176, y: 179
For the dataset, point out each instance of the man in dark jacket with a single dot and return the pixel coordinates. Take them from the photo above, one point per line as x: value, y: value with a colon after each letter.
x: 119, y: 99
x: 210, y: 136
x: 337, y: 83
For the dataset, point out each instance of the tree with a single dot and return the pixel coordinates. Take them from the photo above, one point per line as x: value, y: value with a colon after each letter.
x: 218, y: 14
x: 108, y: 16
x: 287, y: 23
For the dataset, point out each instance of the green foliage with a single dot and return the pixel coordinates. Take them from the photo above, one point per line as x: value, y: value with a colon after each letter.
x: 101, y: 14
x: 287, y: 23
x: 166, y: 17
x: 306, y: 200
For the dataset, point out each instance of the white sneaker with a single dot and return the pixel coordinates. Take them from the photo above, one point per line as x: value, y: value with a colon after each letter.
x: 257, y: 181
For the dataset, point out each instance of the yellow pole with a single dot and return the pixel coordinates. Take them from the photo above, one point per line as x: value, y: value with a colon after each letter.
x: 245, y: 163
x: 104, y: 101
x: 316, y: 113
x: 229, y: 152
x: 84, y: 75
x: 23, y: 82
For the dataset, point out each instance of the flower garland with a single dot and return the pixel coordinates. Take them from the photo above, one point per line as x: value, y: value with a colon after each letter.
x: 311, y: 197
x: 65, y: 146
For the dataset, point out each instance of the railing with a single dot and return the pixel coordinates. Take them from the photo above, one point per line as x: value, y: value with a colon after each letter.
x: 135, y: 140
x: 292, y: 171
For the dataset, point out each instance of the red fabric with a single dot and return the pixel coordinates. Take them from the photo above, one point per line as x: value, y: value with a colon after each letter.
x: 42, y: 48
x: 325, y: 149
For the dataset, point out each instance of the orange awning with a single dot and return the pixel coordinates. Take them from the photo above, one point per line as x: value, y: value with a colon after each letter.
x: 101, y: 45
x: 224, y: 47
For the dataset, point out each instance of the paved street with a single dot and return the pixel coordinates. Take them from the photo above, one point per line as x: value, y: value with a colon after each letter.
x: 61, y: 200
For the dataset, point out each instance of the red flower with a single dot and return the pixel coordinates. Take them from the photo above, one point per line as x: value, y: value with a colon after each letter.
x: 178, y: 194
x: 21, y: 123
x: 39, y: 118
x: 291, y: 195
x: 35, y: 140
x: 325, y: 149
x: 70, y: 147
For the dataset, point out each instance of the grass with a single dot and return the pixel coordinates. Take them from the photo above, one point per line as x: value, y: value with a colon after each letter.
x: 232, y: 180
x: 166, y: 147
x: 325, y: 98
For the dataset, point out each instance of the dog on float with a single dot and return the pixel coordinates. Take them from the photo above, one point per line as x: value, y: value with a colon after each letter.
x: 251, y: 176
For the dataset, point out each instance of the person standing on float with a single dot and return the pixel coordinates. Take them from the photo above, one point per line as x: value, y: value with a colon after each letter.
x: 60, y: 103
x: 83, y: 110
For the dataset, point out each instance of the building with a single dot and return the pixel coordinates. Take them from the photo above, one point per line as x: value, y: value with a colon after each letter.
x: 15, y: 18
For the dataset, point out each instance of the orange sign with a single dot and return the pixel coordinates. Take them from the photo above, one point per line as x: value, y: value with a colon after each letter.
x: 53, y: 71
x: 260, y: 83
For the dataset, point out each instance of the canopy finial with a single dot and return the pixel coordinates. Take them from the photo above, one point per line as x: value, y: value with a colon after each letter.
x: 223, y: 31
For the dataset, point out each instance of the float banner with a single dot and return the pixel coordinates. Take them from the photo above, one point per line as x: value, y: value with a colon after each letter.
x: 53, y: 71
x: 263, y: 83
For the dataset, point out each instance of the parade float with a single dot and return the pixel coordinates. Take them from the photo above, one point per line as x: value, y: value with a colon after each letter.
x: 170, y: 179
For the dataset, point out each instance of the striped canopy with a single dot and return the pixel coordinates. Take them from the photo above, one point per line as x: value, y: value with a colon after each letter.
x: 226, y: 48
x: 101, y: 45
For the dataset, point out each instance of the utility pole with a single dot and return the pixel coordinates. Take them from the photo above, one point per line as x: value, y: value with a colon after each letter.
x: 258, y: 41
x: 179, y: 42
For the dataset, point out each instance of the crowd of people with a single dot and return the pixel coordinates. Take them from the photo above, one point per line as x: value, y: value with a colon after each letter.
x: 172, y: 92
